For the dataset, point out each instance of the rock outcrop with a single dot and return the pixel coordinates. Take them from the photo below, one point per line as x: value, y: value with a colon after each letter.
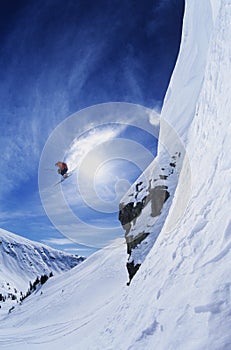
x: 149, y: 196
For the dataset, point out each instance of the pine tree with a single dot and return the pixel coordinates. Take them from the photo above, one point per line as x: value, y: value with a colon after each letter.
x: 43, y: 279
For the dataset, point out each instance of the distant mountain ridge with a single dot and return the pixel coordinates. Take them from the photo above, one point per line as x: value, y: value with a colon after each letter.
x: 22, y: 261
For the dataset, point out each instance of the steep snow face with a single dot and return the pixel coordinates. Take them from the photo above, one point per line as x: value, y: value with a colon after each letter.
x: 181, y: 98
x: 177, y: 115
x: 188, y: 267
x: 22, y: 260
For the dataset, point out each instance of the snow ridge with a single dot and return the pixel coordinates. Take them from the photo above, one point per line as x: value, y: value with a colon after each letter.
x: 22, y: 260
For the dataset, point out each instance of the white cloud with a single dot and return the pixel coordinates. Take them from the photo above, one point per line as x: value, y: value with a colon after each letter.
x: 82, y: 145
x: 19, y: 214
x: 58, y: 241
x: 20, y: 152
x: 154, y: 118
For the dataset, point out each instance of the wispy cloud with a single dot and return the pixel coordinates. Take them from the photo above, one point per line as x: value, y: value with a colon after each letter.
x: 24, y: 212
x: 69, y: 246
x: 20, y: 147
x: 82, y: 145
x: 30, y: 107
x: 58, y: 241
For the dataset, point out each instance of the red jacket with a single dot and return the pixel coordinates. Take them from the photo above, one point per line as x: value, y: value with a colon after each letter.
x: 62, y: 165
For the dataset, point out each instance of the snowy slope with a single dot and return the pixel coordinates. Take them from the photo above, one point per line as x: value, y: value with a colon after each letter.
x: 71, y: 307
x: 189, y: 300
x: 176, y: 117
x: 180, y: 298
x: 22, y: 260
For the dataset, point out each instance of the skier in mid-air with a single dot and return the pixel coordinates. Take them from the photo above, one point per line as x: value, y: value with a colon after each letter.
x: 62, y: 169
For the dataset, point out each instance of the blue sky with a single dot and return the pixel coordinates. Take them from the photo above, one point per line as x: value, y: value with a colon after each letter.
x: 57, y: 58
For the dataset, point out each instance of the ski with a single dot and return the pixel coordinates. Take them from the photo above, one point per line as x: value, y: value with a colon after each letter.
x: 63, y: 179
x: 59, y: 182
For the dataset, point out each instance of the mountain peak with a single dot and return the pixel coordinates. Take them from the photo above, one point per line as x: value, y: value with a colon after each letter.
x: 22, y: 260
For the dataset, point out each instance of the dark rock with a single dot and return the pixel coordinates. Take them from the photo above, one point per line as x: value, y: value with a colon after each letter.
x: 137, y: 186
x: 132, y: 269
x: 129, y: 212
x: 163, y: 177
x: 132, y: 242
x: 158, y: 195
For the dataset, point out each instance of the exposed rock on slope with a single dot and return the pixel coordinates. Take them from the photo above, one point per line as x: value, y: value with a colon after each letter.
x: 149, y: 194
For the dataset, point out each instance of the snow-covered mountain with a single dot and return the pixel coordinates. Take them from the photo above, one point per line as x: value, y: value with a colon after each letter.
x: 178, y: 227
x: 22, y: 261
x: 80, y: 300
x: 181, y: 109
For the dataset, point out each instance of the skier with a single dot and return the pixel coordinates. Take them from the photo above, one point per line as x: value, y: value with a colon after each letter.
x: 62, y: 169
